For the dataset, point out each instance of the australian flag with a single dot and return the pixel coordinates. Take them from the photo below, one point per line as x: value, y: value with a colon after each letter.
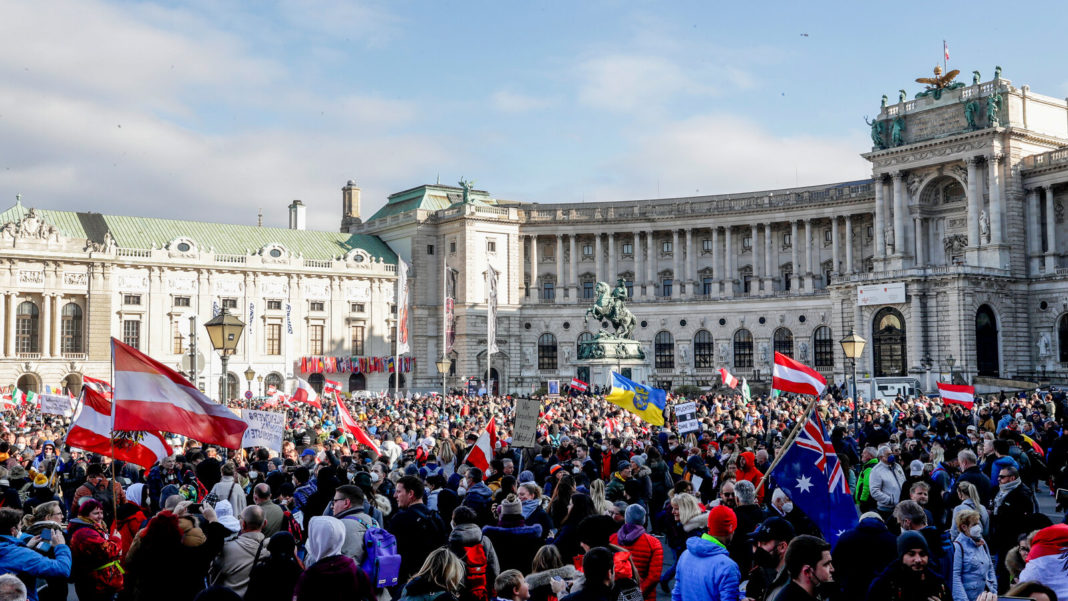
x: 810, y: 474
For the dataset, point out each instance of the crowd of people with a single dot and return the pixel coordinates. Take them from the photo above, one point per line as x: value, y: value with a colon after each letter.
x: 602, y: 507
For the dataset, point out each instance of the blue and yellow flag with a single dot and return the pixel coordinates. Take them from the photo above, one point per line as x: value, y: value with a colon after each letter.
x: 644, y: 401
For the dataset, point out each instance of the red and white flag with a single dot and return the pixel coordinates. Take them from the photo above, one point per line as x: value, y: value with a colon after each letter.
x: 945, y: 49
x: 100, y: 386
x: 306, y: 394
x: 728, y: 379
x: 357, y: 432
x: 957, y: 394
x: 332, y: 387
x: 152, y: 396
x: 579, y: 385
x: 91, y: 431
x: 793, y: 376
x: 482, y: 452
x: 271, y: 390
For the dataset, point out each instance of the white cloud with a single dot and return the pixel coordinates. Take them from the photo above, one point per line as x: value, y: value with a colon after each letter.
x: 626, y: 83
x: 507, y: 101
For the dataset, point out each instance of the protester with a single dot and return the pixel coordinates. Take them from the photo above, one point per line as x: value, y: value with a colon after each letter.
x: 274, y: 578
x: 769, y: 575
x: 973, y: 567
x: 705, y: 571
x: 481, y: 565
x: 862, y: 553
x: 439, y: 579
x: 515, y: 541
x: 234, y: 564
x: 96, y: 553
x: 550, y: 577
x: 808, y: 561
x: 645, y: 550
x: 330, y: 576
x: 20, y: 557
x: 909, y: 576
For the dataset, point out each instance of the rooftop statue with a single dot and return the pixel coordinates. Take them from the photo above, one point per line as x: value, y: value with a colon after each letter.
x: 938, y: 83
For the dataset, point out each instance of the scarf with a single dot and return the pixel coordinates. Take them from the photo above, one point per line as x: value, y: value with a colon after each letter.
x: 529, y: 507
x: 1003, y: 491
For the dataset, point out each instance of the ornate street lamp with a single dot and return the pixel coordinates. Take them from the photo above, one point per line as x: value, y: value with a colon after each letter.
x: 250, y: 374
x: 853, y: 348
x: 259, y: 382
x: 950, y: 361
x: 443, y: 366
x: 224, y: 331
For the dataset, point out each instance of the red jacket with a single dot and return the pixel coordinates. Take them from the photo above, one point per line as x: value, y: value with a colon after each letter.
x: 648, y: 556
x: 752, y: 474
x: 92, y: 550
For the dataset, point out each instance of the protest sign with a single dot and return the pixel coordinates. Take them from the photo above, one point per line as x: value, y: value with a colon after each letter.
x: 265, y: 429
x: 526, y: 422
x: 56, y: 404
x: 686, y: 413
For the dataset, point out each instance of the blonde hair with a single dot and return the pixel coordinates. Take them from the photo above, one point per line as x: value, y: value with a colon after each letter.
x: 688, y: 506
x: 547, y: 558
x: 39, y: 513
x: 600, y: 503
x: 443, y: 569
x: 532, y: 488
x: 969, y: 490
x: 962, y: 518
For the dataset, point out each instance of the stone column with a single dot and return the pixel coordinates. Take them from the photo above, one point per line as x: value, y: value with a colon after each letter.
x: 795, y: 276
x: 12, y: 305
x: 834, y: 244
x: 613, y: 271
x: 917, y: 224
x: 728, y: 263
x: 597, y: 252
x: 1051, y: 232
x: 535, y: 292
x: 993, y: 163
x: 44, y: 332
x: 974, y: 203
x: 880, y: 214
x: 691, y: 265
x: 849, y: 244
x: 572, y: 280
x: 808, y: 256
x: 676, y: 281
x: 1034, y: 231
x: 57, y: 329
x: 3, y: 325
x: 717, y: 272
x: 769, y: 270
x: 635, y: 253
x: 899, y: 213
x: 559, y: 292
x: 754, y: 246
x: 650, y: 263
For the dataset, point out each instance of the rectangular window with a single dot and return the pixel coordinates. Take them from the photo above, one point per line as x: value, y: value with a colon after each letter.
x: 587, y: 250
x: 131, y: 299
x: 274, y: 305
x: 666, y: 246
x: 787, y: 239
x: 316, y: 305
x: 429, y: 249
x: 747, y: 242
x: 181, y: 301
x: 315, y: 339
x: 274, y: 339
x: 549, y: 251
x: 452, y: 246
x: 747, y: 281
x: 870, y: 230
x: 178, y: 342
x: 706, y: 245
x: 587, y: 289
x: 357, y: 341
x: 706, y: 286
x: 547, y: 291
x: 357, y: 308
x: 630, y: 288
x: 628, y: 248
x: 666, y: 287
x: 131, y: 333
x: 787, y: 278
x: 229, y: 303
x: 826, y: 235
x: 491, y: 246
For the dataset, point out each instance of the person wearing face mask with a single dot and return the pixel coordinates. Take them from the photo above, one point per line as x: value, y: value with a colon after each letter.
x: 909, y: 577
x: 885, y: 481
x: 769, y: 574
x: 808, y: 561
x: 973, y: 569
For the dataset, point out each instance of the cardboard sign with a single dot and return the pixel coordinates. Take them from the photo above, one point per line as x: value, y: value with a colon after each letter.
x: 56, y: 404
x: 265, y: 429
x: 686, y: 413
x: 526, y: 422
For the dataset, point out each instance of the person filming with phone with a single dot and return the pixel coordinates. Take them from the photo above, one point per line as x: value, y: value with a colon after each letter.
x: 20, y: 557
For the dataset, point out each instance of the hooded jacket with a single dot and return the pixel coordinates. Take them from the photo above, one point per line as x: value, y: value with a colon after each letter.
x: 466, y: 535
x: 706, y: 572
x: 18, y: 559
x: 861, y: 554
x: 647, y: 554
x: 235, y: 562
x: 752, y: 474
x: 516, y: 546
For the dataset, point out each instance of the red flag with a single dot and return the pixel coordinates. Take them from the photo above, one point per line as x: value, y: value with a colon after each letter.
x: 482, y: 452
x: 152, y: 396
x: 306, y: 394
x: 91, y: 431
x: 957, y: 394
x: 729, y: 380
x: 579, y: 385
x: 357, y: 432
x: 100, y: 386
x: 793, y: 376
x: 945, y: 49
x: 332, y: 387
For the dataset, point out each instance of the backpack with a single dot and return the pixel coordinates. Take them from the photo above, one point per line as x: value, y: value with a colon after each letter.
x: 381, y: 562
x: 476, y: 586
x: 104, y: 495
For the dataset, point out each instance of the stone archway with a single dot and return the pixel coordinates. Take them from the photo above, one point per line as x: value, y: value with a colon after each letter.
x: 987, y: 357
x: 888, y: 343
x: 29, y: 382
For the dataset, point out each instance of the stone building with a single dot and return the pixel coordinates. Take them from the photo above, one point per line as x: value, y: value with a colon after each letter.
x: 948, y: 260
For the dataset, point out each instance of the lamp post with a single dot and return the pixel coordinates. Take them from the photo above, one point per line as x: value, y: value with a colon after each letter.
x: 224, y: 331
x: 250, y: 374
x: 950, y: 361
x: 443, y: 366
x: 259, y: 382
x: 853, y: 348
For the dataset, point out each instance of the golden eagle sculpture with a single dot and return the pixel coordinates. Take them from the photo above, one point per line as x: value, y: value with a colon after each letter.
x: 939, y: 81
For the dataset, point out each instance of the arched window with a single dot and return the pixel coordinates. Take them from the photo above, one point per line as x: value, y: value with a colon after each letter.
x: 272, y: 379
x: 986, y: 342
x: 547, y: 351
x: 232, y: 389
x: 783, y: 342
x: 703, y: 350
x: 316, y: 381
x: 743, y: 349
x: 583, y: 337
x: 664, y: 351
x: 822, y: 347
x: 27, y: 324
x: 357, y: 382
x: 1062, y: 338
x: 72, y: 329
x: 888, y: 343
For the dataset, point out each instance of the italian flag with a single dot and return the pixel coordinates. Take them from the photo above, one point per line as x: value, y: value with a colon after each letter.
x: 23, y: 397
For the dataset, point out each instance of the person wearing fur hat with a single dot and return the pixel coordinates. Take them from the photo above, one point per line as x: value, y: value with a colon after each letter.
x: 910, y: 577
x: 705, y: 569
x: 96, y: 554
x: 40, y: 493
x: 645, y: 550
x: 515, y: 541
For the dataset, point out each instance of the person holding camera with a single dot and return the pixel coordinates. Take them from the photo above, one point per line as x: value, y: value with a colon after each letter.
x: 21, y: 558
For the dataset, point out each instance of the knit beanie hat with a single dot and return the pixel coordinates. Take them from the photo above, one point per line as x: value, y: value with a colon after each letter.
x: 635, y: 514
x: 721, y: 521
x: 511, y: 506
x: 911, y: 540
x: 526, y: 476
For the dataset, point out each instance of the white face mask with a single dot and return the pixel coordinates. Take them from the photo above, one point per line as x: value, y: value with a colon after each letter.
x: 375, y: 477
x: 976, y: 531
x: 253, y: 475
x: 787, y: 507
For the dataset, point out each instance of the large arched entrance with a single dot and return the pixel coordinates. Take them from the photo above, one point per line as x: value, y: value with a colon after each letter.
x: 28, y: 383
x: 316, y: 381
x: 495, y: 377
x: 73, y: 383
x: 986, y: 342
x: 357, y: 382
x: 888, y: 343
x: 393, y: 381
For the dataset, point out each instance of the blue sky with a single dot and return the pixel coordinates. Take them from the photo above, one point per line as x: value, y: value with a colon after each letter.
x: 211, y: 110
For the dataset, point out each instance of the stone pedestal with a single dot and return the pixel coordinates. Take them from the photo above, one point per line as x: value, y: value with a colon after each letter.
x: 601, y: 369
x: 607, y: 353
x: 994, y: 255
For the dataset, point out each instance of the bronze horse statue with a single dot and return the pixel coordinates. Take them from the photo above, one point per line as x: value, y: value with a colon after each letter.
x: 611, y: 307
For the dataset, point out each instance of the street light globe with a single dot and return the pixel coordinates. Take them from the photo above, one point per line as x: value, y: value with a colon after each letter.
x: 443, y: 365
x: 250, y: 374
x: 853, y: 345
x: 224, y: 331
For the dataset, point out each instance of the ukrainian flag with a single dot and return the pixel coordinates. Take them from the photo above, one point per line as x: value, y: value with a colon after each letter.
x: 644, y: 401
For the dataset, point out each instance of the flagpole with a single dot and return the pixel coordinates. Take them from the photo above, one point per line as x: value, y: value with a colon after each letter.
x: 111, y: 485
x: 444, y: 319
x: 789, y: 441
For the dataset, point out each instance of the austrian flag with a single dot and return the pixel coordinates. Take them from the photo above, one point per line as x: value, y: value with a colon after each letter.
x: 91, y: 431
x: 793, y: 376
x: 957, y: 394
x: 579, y: 385
x: 482, y: 452
x: 728, y: 379
x: 304, y: 393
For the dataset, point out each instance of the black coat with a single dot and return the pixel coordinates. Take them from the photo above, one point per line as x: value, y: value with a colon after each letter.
x: 1015, y: 515
x: 418, y: 531
x: 975, y: 476
x: 860, y: 554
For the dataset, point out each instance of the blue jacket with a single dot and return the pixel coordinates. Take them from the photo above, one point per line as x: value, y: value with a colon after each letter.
x: 18, y: 559
x: 973, y: 571
x: 706, y: 572
x: 997, y: 464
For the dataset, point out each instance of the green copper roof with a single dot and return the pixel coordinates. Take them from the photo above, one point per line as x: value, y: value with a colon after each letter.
x: 429, y: 198
x: 146, y: 232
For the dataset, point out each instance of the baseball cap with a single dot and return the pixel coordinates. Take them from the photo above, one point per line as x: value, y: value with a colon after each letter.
x: 773, y: 528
